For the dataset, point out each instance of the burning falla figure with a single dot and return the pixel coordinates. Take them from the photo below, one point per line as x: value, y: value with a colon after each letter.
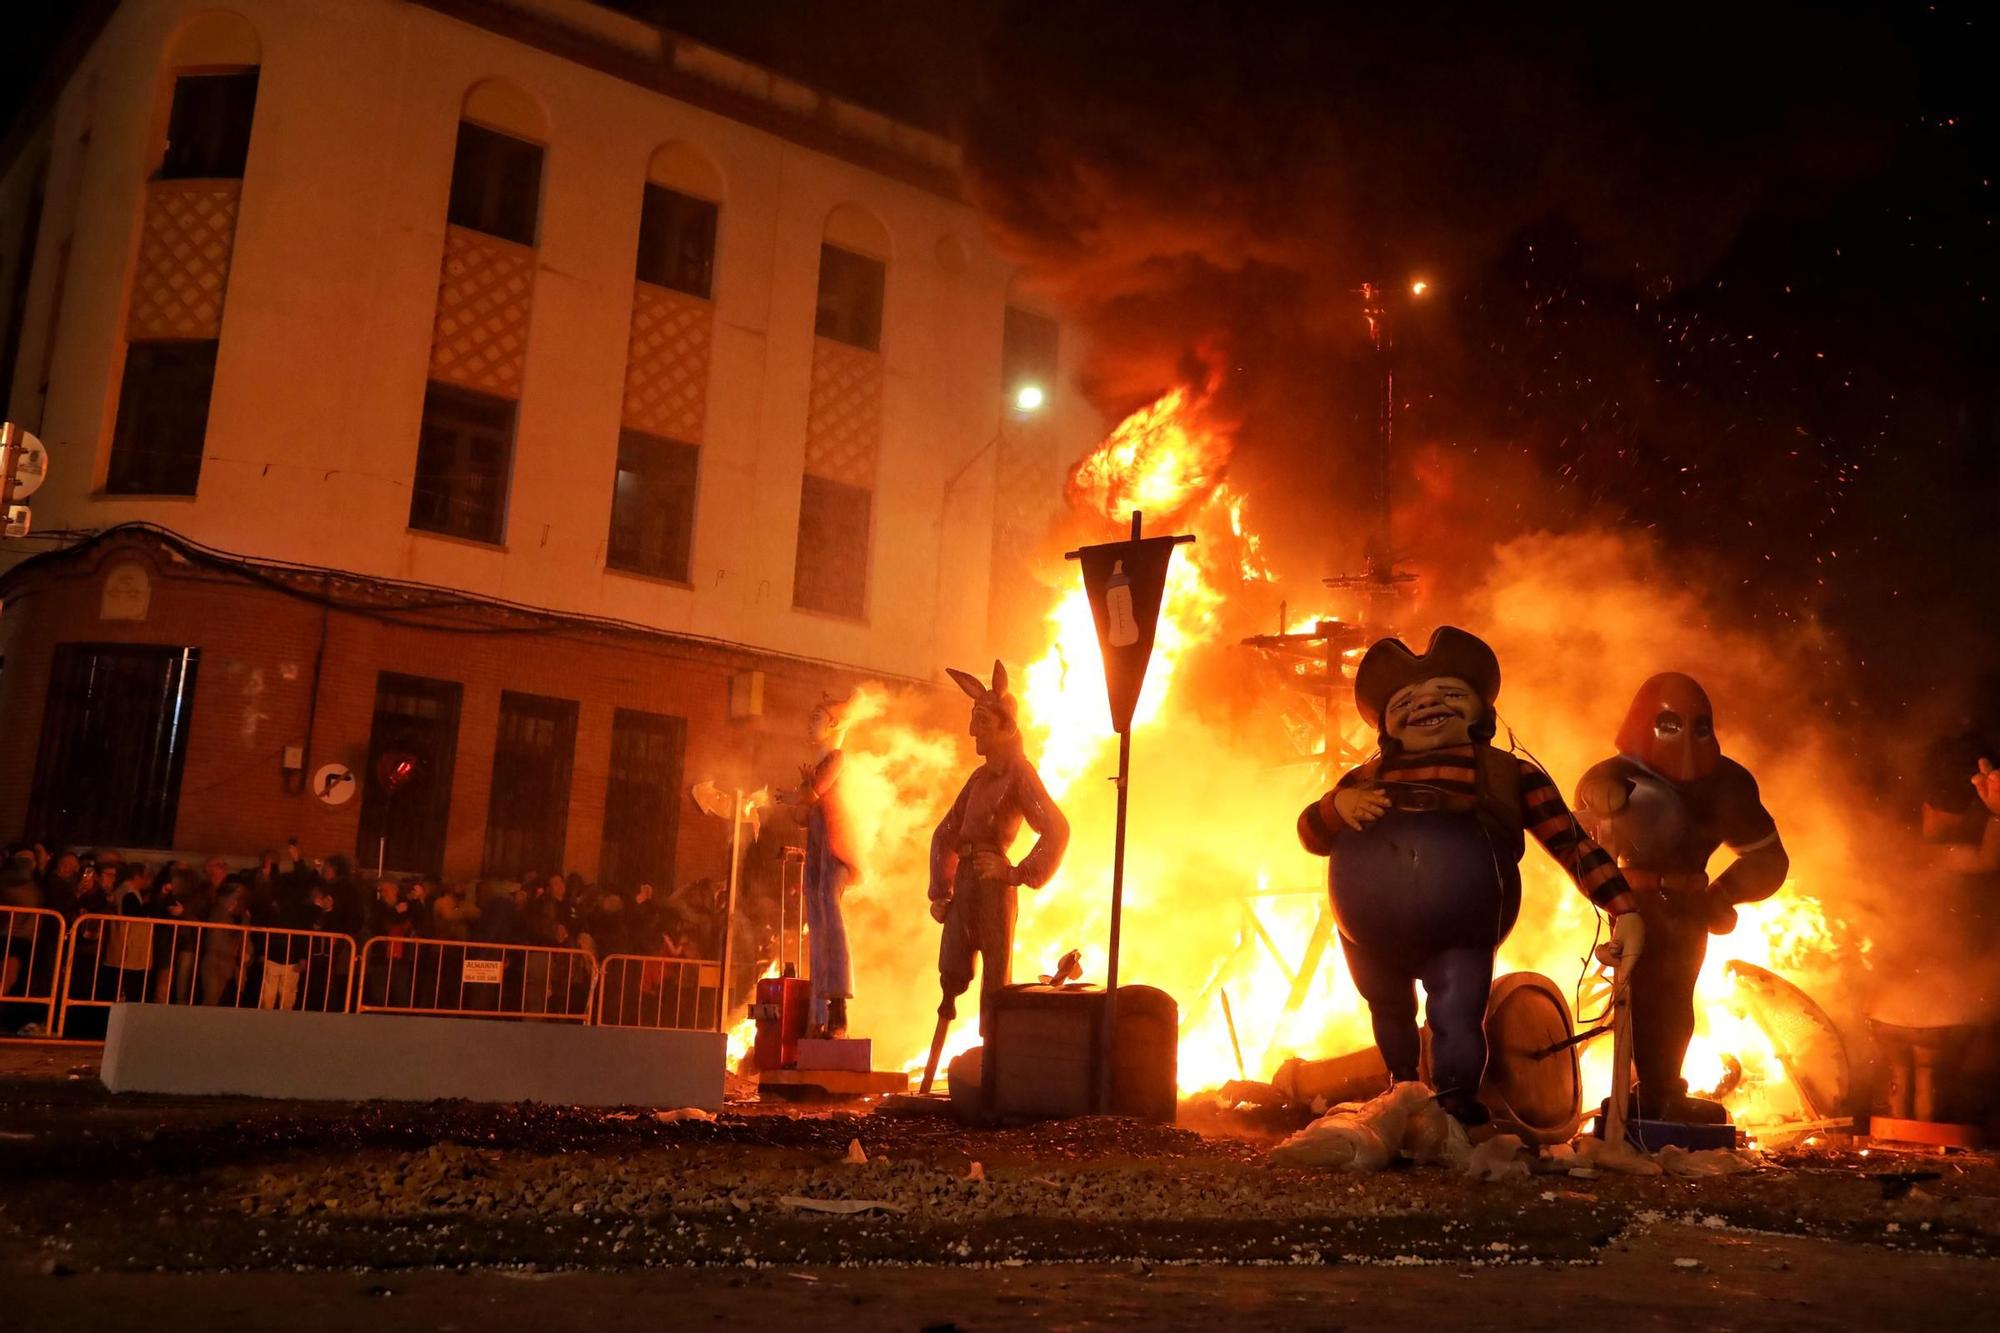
x: 1662, y: 806
x: 973, y: 885
x: 831, y: 867
x: 1425, y: 842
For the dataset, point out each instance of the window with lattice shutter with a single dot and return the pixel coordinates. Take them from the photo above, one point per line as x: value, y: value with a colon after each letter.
x: 831, y: 570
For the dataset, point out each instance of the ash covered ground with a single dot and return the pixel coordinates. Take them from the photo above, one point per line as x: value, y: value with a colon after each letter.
x: 213, y: 1211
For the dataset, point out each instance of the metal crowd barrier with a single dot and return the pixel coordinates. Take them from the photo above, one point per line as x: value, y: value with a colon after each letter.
x: 31, y: 957
x: 409, y: 975
x: 70, y: 973
x: 638, y: 991
x: 144, y: 960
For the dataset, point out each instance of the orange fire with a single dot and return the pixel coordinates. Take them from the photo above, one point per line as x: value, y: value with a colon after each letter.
x: 1159, y: 461
x: 1220, y: 898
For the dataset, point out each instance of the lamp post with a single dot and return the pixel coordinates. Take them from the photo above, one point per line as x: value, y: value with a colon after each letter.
x: 739, y: 808
x: 1021, y: 403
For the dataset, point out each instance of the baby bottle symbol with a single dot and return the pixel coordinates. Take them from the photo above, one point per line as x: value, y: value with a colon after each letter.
x: 1124, y: 626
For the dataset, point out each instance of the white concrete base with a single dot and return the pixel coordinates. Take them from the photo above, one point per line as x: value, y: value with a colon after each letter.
x: 853, y: 1054
x: 382, y: 1057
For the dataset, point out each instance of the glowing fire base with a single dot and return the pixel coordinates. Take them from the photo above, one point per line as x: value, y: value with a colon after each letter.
x: 835, y: 1067
x: 201, y: 1051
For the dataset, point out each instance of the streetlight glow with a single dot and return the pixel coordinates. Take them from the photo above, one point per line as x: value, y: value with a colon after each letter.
x: 1419, y: 287
x: 1029, y: 398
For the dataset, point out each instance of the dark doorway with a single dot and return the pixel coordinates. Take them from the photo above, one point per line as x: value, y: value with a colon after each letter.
x: 114, y: 741
x: 417, y: 716
x: 528, y: 814
x: 642, y: 800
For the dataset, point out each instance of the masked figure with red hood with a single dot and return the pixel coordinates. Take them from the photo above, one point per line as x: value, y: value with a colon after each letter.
x: 1425, y: 842
x: 1663, y: 806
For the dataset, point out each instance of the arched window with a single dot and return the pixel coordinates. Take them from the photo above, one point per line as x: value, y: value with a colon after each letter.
x: 666, y: 368
x: 678, y: 223
x: 479, y: 346
x: 173, y: 315
x: 843, y: 418
x: 215, y: 97
x: 496, y: 173
x: 853, y: 270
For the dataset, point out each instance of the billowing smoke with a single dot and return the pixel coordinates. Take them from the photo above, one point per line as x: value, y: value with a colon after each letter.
x: 1627, y: 321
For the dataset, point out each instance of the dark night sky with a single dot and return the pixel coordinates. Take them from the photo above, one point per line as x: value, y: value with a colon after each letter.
x: 1722, y: 271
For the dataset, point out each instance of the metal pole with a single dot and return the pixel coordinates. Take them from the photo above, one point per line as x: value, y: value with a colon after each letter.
x: 1111, y: 967
x: 729, y: 911
x: 1617, y: 1108
x: 1118, y: 860
x: 1107, y: 1040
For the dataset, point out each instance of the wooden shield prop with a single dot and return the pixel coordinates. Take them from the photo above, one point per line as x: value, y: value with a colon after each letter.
x: 1539, y: 1097
x: 1808, y: 1045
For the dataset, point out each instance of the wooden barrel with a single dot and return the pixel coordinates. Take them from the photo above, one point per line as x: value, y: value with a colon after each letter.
x: 1537, y: 1096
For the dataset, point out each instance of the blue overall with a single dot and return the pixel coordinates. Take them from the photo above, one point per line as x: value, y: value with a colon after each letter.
x: 1425, y: 896
x: 826, y: 880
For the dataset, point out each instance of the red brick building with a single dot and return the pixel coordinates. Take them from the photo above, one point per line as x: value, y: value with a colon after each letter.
x: 159, y: 694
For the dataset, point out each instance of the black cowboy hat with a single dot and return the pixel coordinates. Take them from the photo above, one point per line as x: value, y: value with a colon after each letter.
x: 1389, y: 665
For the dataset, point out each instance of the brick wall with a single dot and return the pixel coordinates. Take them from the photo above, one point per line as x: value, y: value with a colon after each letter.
x: 254, y: 694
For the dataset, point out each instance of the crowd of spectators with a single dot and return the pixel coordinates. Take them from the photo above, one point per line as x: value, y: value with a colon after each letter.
x: 163, y: 961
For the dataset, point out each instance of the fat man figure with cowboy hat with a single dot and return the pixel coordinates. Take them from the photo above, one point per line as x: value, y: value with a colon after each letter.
x: 1424, y: 844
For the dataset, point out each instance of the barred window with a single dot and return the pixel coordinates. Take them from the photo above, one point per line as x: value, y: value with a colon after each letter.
x: 162, y: 418
x: 418, y: 717
x: 652, y: 506
x: 830, y: 572
x: 114, y: 743
x: 465, y: 455
x: 850, y: 298
x: 642, y: 802
x: 527, y: 814
x: 496, y: 184
x: 677, y: 241
x: 208, y: 130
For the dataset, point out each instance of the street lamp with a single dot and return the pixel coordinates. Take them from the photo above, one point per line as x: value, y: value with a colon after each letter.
x: 1022, y: 403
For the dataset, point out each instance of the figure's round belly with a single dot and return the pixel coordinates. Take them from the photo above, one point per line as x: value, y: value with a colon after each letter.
x: 1417, y: 882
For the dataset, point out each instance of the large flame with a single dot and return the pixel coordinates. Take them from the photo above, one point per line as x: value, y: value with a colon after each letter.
x: 1159, y: 460
x: 1221, y: 902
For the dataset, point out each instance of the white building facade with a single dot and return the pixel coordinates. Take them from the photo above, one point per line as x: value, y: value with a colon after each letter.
x: 515, y: 300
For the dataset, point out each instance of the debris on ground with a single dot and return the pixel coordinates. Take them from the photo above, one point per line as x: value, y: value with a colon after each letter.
x: 1364, y: 1136
x: 1499, y: 1158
